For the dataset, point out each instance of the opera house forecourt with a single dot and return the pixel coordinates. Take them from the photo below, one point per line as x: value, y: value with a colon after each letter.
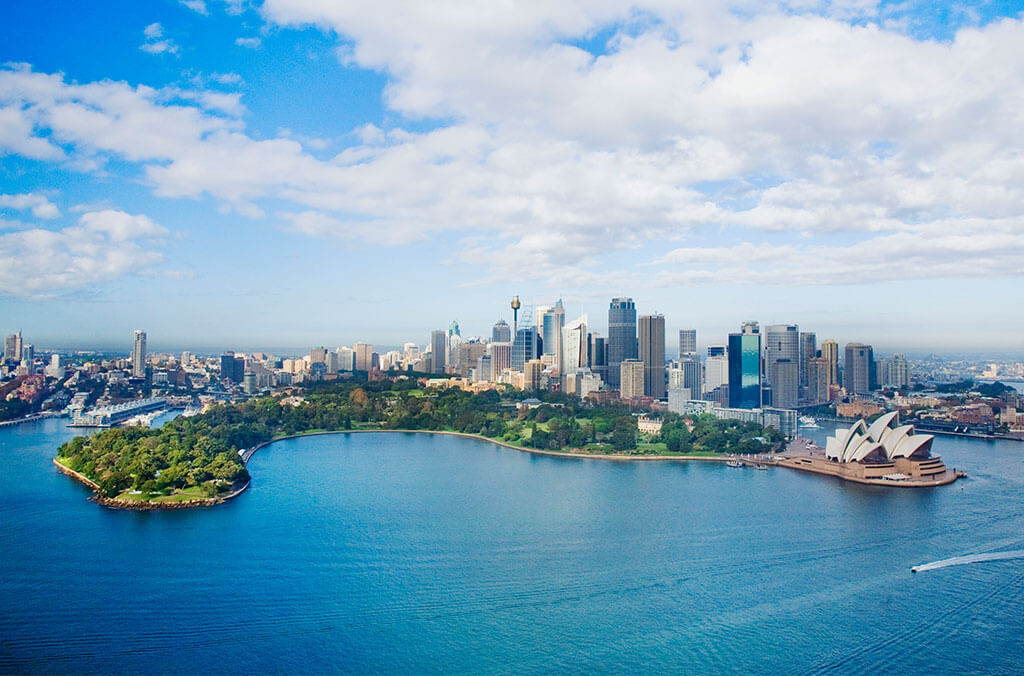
x: 886, y: 453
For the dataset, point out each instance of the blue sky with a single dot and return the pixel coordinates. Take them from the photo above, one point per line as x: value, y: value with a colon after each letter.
x: 294, y: 173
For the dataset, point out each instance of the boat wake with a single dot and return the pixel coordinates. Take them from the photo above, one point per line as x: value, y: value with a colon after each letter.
x: 970, y: 558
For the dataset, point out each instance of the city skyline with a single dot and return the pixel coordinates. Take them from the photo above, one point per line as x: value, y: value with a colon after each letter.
x: 295, y: 173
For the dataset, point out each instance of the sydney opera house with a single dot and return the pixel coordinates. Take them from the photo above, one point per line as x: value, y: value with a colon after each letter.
x: 883, y: 453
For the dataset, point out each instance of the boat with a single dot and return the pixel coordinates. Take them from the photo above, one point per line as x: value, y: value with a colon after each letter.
x: 734, y: 463
x: 760, y: 465
x: 808, y: 421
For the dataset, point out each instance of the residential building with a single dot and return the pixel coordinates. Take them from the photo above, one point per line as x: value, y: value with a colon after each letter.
x: 631, y: 379
x: 139, y: 354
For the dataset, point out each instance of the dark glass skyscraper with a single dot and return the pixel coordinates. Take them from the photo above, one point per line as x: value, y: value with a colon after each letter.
x: 621, y: 343
x: 744, y: 370
x: 652, y: 353
x: 524, y: 347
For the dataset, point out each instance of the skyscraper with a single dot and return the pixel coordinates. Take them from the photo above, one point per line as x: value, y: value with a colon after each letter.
x: 745, y: 367
x: 501, y: 359
x: 598, y: 358
x: 139, y: 354
x: 652, y: 354
x: 363, y: 356
x: 438, y: 350
x: 716, y: 368
x: 830, y: 352
x: 552, y: 321
x: 524, y: 347
x: 502, y: 332
x: 621, y: 343
x: 575, y: 346
x: 631, y: 378
x: 818, y: 390
x: 318, y: 355
x: 899, y: 372
x: 859, y: 368
x: 808, y: 351
x: 786, y: 383
x: 687, y: 342
x: 12, y: 347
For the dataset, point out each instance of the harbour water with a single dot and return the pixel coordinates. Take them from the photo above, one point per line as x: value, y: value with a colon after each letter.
x: 420, y: 553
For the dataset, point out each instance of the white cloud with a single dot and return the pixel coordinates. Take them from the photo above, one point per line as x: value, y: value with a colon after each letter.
x: 40, y: 206
x: 153, y: 43
x: 102, y: 246
x: 695, y: 119
x: 249, y: 43
x: 196, y: 6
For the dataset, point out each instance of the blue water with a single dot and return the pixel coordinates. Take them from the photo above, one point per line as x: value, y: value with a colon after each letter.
x: 419, y: 553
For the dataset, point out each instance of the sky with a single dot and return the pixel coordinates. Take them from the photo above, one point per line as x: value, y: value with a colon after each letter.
x: 307, y: 172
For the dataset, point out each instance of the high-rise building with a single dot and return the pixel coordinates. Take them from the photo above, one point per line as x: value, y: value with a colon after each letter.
x: 621, y: 343
x: 318, y: 355
x: 818, y: 387
x: 575, y: 346
x: 363, y: 356
x: 483, y: 369
x: 859, y: 368
x: 524, y: 347
x: 786, y: 383
x: 439, y: 350
x: 781, y: 341
x: 631, y: 379
x: 139, y: 354
x: 687, y: 343
x: 532, y: 372
x: 598, y: 357
x: 12, y: 347
x: 501, y: 359
x: 808, y: 350
x: 346, y: 359
x: 652, y: 354
x: 552, y: 321
x: 745, y: 367
x: 28, y: 357
x: 830, y: 352
x: 716, y: 368
x: 452, y: 342
x: 502, y: 332
x: 468, y: 356
x: 899, y: 372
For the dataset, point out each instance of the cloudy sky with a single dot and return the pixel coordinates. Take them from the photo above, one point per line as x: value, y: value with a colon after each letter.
x: 298, y: 172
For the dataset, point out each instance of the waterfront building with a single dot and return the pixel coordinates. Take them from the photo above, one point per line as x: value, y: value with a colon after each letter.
x: 744, y: 352
x: 687, y: 343
x: 652, y: 354
x: 438, y: 350
x: 886, y: 449
x: 502, y: 332
x: 830, y: 352
x: 363, y: 356
x: 808, y: 351
x: 782, y: 419
x: 139, y: 354
x: 859, y: 369
x: 621, y: 343
x: 631, y: 379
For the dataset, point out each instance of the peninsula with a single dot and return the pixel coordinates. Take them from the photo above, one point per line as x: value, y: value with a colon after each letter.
x: 199, y: 460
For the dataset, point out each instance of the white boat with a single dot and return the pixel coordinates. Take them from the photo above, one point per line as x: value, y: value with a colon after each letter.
x: 808, y: 421
x: 734, y: 463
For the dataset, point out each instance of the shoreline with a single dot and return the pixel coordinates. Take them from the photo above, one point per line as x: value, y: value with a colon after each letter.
x: 246, y: 455
x: 147, y: 505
